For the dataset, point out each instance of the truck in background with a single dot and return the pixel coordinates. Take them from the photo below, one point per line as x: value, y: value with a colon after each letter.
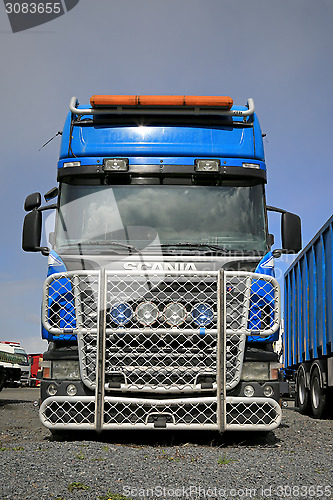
x: 308, y: 337
x: 35, y: 362
x: 160, y: 306
x: 14, y: 366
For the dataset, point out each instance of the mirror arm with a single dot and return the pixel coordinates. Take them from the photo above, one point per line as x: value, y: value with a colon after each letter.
x: 278, y: 252
x: 47, y: 207
x: 275, y: 209
x: 43, y: 250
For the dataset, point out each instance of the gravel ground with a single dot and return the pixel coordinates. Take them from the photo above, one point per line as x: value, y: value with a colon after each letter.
x: 295, y: 461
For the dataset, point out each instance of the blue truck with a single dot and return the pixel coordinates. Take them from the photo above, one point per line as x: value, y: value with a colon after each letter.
x: 160, y: 304
x: 308, y: 337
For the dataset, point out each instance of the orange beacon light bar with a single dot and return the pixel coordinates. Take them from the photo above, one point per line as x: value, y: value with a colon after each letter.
x: 164, y: 104
x: 160, y: 100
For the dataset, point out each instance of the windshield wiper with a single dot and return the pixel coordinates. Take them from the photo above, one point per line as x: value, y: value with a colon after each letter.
x: 104, y: 243
x: 194, y: 246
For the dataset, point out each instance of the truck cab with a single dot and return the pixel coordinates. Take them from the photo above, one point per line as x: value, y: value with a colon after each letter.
x: 160, y: 305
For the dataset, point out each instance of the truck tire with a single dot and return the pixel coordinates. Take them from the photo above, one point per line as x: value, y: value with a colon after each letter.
x: 317, y: 394
x: 2, y: 378
x: 302, y: 392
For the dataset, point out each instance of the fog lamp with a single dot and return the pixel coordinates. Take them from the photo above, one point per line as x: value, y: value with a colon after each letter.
x: 115, y: 165
x: 268, y: 391
x: 71, y: 390
x: 248, y: 391
x: 121, y: 313
x: 207, y: 165
x: 174, y: 314
x: 52, y: 390
x: 147, y: 313
x: 202, y: 314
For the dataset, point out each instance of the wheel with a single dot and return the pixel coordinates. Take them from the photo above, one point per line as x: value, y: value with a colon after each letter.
x: 302, y: 392
x: 318, y: 395
x: 2, y: 378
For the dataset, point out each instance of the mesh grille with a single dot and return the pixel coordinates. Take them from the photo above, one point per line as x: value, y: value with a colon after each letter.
x: 241, y: 413
x: 173, y: 362
x: 70, y: 302
x: 182, y: 302
x: 78, y: 412
x: 252, y: 412
x: 132, y: 413
x: 171, y: 299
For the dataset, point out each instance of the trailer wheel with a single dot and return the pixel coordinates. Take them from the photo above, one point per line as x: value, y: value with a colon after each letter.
x: 302, y: 392
x: 318, y: 395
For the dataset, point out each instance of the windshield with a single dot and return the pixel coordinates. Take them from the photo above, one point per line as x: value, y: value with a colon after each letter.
x: 127, y: 217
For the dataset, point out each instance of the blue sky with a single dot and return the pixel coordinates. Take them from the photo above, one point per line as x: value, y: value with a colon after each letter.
x: 277, y: 52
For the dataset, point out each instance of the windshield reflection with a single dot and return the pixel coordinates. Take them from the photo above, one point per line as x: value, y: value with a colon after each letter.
x: 228, y: 216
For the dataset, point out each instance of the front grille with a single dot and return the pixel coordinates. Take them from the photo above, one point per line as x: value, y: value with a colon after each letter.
x: 153, y: 362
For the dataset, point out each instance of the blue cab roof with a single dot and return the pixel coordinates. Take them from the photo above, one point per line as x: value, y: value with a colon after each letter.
x: 226, y: 140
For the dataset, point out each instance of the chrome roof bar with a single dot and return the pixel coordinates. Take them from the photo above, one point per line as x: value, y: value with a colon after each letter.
x: 195, y: 110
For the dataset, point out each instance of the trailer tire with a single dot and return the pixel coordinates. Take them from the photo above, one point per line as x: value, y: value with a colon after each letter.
x: 302, y: 392
x: 317, y: 394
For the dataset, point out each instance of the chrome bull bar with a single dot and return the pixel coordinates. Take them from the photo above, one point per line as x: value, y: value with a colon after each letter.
x: 239, y: 304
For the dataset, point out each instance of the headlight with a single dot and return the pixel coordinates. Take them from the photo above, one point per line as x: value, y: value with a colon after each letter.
x: 121, y: 314
x: 202, y: 314
x: 66, y: 370
x: 255, y: 370
x: 174, y: 314
x: 147, y: 313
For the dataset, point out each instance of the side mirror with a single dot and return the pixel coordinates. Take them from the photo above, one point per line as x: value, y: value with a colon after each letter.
x: 52, y: 193
x: 32, y: 231
x: 291, y: 232
x: 32, y: 201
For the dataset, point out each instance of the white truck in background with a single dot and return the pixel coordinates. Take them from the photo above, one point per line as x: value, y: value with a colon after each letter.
x: 14, y: 365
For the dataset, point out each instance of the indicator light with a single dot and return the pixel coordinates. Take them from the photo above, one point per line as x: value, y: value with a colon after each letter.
x: 72, y: 164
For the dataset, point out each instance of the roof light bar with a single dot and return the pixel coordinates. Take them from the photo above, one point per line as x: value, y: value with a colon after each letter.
x: 102, y: 101
x: 203, y: 105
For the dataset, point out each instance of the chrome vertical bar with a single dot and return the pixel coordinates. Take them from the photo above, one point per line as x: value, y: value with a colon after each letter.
x: 100, y: 361
x: 221, y: 353
x: 77, y: 301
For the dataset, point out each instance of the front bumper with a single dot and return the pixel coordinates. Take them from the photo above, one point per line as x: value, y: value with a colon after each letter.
x: 204, y: 413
